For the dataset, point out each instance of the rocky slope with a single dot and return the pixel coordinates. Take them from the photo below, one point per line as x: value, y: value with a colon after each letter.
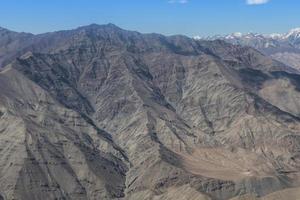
x: 113, y: 114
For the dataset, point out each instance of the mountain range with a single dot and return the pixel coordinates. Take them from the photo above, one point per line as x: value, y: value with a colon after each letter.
x: 99, y: 112
x: 283, y: 47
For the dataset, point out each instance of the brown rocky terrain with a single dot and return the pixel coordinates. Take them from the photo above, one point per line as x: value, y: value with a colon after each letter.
x: 105, y: 113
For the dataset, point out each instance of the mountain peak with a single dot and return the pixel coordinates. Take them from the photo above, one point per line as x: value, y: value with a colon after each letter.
x: 295, y: 30
x: 293, y: 33
x: 98, y: 26
x: 237, y: 34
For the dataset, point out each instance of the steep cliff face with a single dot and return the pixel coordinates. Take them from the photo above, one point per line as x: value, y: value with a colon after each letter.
x: 114, y: 114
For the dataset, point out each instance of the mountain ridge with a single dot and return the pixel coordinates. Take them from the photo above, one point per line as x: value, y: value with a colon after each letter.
x: 283, y: 47
x: 292, y: 33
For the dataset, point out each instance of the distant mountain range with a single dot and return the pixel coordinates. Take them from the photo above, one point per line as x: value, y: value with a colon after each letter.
x: 100, y: 112
x: 283, y: 47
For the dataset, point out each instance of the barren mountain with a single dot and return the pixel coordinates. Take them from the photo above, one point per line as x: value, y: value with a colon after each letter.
x: 105, y: 113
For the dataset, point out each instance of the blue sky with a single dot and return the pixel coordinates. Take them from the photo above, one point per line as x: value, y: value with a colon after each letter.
x: 188, y: 17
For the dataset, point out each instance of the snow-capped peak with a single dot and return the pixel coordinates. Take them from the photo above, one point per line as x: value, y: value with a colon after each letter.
x: 237, y: 34
x: 294, y: 33
x: 197, y: 37
x: 291, y: 36
x: 275, y: 36
x: 234, y: 35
